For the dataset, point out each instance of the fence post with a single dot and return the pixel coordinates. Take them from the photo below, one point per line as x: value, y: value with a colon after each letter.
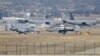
x: 6, y: 49
x: 16, y: 48
x: 47, y: 48
x: 64, y: 48
x: 54, y: 47
x: 84, y: 48
x: 74, y: 48
x: 40, y: 47
x: 20, y: 48
x: 34, y: 48
x: 27, y: 48
x: 94, y: 48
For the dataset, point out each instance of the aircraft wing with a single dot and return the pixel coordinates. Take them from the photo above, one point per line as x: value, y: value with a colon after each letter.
x: 53, y: 29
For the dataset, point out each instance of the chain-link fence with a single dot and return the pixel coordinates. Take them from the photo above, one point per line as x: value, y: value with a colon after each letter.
x: 50, y: 49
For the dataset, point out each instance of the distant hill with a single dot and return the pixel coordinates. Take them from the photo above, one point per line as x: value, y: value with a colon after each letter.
x: 79, y: 6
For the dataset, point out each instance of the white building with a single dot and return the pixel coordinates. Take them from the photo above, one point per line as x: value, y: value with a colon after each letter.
x: 12, y: 18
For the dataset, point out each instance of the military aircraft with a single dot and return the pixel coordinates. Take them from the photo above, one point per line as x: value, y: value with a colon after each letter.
x: 75, y: 21
x: 64, y: 29
x: 21, y: 26
x: 46, y: 21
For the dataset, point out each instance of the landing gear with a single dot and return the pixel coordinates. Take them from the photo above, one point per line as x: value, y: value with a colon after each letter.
x: 25, y: 33
x: 62, y: 31
x: 21, y: 32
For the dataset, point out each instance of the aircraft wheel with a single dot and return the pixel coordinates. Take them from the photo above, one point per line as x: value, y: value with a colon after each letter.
x: 19, y: 33
x: 24, y: 33
x: 60, y: 31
